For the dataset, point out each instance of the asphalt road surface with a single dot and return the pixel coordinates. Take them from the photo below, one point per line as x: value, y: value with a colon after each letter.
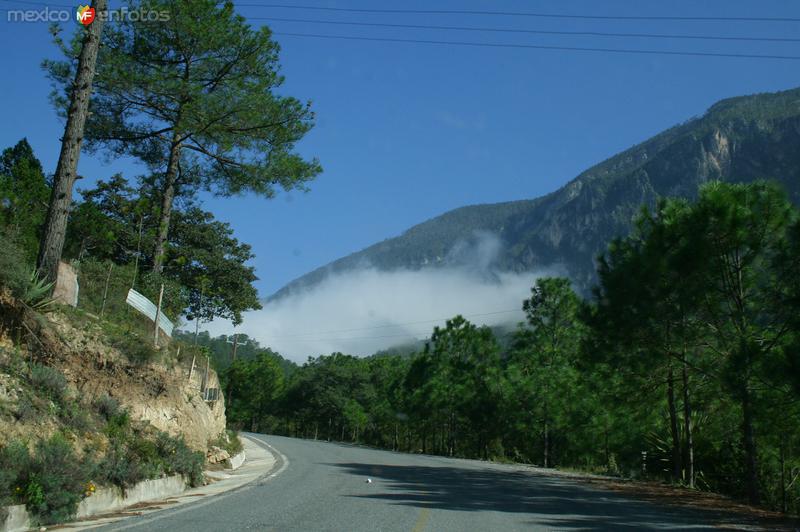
x: 323, y: 486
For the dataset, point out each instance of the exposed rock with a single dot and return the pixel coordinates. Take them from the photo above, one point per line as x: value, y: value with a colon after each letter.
x: 215, y: 455
x: 8, y: 388
x: 66, y: 289
x: 162, y: 395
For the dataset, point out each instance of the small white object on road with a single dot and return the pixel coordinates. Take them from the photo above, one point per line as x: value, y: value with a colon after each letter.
x: 369, y: 481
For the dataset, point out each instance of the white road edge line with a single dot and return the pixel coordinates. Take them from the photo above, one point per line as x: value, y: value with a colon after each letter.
x: 275, y: 451
x: 212, y: 498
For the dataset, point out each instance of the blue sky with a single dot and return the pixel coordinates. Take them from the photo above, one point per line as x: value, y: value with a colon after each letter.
x: 408, y: 131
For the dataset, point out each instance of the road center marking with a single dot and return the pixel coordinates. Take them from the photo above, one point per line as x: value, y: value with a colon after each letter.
x: 422, y: 520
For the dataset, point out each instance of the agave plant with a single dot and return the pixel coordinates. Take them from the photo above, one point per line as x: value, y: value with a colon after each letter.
x: 37, y: 293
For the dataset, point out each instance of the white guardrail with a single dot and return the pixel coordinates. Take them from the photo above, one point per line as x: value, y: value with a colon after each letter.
x: 148, y: 308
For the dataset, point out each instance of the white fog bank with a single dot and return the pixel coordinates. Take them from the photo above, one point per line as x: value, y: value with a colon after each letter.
x: 363, y: 311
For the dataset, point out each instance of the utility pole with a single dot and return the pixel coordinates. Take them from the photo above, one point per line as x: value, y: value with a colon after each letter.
x: 138, y: 252
x: 205, y: 379
x: 105, y: 290
x: 158, y: 316
x: 199, y: 309
x: 235, y: 343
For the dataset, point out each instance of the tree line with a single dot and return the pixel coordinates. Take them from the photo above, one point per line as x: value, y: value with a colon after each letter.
x: 684, y: 364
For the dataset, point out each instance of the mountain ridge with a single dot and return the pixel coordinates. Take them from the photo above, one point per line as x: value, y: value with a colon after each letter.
x: 737, y: 139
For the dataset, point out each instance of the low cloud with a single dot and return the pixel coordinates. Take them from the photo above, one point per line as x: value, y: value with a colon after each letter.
x: 363, y: 311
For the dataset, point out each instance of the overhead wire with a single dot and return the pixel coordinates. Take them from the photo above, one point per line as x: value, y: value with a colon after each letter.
x: 395, y: 11
x: 532, y: 31
x: 545, y: 47
x: 637, y: 51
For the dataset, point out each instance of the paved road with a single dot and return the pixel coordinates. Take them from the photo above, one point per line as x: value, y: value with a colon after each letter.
x: 322, y: 486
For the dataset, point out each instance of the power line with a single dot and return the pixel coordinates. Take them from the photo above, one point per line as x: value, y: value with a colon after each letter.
x: 544, y: 47
x: 533, y: 32
x: 522, y: 14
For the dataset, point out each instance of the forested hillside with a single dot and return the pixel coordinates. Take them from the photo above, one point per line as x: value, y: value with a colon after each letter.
x: 682, y: 367
x: 737, y: 140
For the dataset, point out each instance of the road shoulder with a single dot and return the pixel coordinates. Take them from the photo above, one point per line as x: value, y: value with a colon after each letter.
x: 261, y: 462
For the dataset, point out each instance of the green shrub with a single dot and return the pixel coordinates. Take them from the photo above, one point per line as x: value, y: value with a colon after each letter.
x: 18, y: 275
x: 235, y: 446
x: 118, y: 427
x: 138, y: 350
x: 27, y: 411
x: 14, y: 458
x: 107, y: 407
x: 228, y: 440
x: 77, y: 418
x: 180, y: 459
x: 37, y: 293
x: 53, y: 484
x: 50, y: 382
x: 142, y: 353
x: 119, y: 468
x: 14, y: 268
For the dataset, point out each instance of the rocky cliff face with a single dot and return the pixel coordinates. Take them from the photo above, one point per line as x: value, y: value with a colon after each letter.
x: 161, y: 394
x: 738, y: 140
x: 158, y: 392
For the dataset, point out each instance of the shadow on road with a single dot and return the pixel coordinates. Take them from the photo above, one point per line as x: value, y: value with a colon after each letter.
x: 549, y: 501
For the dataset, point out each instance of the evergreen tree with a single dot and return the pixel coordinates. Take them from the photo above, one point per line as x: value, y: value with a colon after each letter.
x: 196, y: 99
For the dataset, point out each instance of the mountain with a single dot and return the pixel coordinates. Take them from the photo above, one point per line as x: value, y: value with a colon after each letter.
x: 737, y: 140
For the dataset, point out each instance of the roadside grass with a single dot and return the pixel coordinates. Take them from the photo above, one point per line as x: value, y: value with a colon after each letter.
x: 229, y: 441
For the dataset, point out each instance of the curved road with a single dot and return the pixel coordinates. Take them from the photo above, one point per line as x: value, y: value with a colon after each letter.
x: 323, y: 486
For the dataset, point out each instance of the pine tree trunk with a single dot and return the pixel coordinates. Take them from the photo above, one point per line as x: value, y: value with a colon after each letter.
x: 452, y: 446
x: 55, y: 227
x: 673, y: 427
x: 167, y: 198
x: 783, y: 478
x: 751, y: 458
x: 687, y: 428
x: 546, y: 440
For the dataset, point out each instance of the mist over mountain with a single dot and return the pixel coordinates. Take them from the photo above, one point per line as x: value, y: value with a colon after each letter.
x: 366, y: 309
x: 737, y: 140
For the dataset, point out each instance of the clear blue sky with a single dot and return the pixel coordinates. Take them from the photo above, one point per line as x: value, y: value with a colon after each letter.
x: 408, y: 131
